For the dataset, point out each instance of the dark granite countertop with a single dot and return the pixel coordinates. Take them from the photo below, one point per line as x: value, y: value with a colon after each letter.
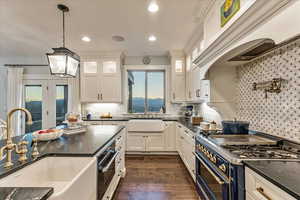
x: 164, y: 118
x: 27, y: 193
x: 284, y: 174
x: 82, y: 144
x: 107, y: 119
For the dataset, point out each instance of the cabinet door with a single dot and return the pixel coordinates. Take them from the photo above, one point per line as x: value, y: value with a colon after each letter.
x: 188, y: 79
x: 178, y: 80
x: 110, y: 81
x: 155, y: 142
x: 170, y: 137
x: 135, y: 142
x: 205, y: 90
x: 178, y: 139
x: 90, y: 81
x: 195, y: 84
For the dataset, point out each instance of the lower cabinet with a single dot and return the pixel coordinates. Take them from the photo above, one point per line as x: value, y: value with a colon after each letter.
x: 136, y: 142
x: 153, y: 142
x: 145, y: 142
x: 258, y: 188
x: 120, y: 169
x: 185, y: 145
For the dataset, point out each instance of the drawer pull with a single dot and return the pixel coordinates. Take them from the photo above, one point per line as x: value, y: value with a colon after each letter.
x: 261, y: 191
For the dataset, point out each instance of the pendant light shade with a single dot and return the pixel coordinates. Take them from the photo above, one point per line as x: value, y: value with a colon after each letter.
x: 63, y: 62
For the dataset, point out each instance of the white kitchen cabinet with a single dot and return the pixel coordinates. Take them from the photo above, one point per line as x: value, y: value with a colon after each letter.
x: 143, y: 142
x: 90, y: 84
x: 178, y: 93
x: 101, y: 80
x: 155, y: 142
x: 136, y: 142
x: 120, y: 166
x: 258, y: 188
x: 170, y: 136
x: 188, y: 79
x: 111, y: 81
x: 186, y: 147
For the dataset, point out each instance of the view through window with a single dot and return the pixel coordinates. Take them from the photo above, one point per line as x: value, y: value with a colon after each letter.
x: 33, y: 102
x: 61, y: 103
x: 146, y: 90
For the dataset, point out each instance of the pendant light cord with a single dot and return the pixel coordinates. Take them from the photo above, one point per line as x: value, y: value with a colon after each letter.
x: 63, y: 28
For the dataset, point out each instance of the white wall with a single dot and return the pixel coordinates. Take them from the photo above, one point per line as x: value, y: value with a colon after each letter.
x: 155, y: 60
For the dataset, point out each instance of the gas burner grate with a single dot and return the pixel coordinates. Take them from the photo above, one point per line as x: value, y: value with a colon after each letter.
x: 263, y: 152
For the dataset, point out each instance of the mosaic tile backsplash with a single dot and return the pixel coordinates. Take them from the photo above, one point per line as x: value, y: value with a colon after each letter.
x: 279, y: 114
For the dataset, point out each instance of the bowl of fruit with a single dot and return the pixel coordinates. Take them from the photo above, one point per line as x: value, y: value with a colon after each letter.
x: 48, y: 134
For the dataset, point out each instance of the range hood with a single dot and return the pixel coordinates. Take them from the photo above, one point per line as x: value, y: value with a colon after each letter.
x: 253, y: 49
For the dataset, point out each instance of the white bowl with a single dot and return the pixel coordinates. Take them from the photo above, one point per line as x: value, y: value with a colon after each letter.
x: 48, y: 136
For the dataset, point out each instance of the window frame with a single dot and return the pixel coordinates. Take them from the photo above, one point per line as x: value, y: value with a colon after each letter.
x: 146, y: 88
x: 48, y: 99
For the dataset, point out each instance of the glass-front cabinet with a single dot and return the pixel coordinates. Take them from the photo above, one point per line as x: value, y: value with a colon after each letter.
x: 178, y: 93
x: 101, y: 80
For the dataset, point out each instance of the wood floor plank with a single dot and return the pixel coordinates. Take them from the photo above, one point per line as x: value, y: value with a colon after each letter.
x: 156, y: 178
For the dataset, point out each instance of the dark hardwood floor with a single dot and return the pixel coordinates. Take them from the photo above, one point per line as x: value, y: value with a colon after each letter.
x: 156, y: 178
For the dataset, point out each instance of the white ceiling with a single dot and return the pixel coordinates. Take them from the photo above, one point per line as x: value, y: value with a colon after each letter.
x: 33, y: 27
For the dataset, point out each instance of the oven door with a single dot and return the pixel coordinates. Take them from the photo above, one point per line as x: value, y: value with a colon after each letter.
x: 210, y: 186
x: 106, y: 171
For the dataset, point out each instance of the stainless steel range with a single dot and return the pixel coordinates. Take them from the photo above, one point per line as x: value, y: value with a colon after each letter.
x: 219, y: 164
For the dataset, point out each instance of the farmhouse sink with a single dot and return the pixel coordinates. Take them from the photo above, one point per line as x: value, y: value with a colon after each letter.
x: 67, y: 175
x: 145, y: 125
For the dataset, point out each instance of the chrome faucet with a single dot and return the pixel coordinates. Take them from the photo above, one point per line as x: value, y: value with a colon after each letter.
x: 21, y: 148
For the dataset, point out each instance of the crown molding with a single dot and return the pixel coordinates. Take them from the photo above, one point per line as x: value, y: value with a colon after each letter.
x: 256, y: 14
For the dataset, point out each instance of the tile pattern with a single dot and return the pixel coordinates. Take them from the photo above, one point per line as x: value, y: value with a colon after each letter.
x: 279, y: 114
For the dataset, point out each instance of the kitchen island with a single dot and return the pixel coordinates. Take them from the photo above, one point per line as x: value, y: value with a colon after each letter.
x: 86, y: 144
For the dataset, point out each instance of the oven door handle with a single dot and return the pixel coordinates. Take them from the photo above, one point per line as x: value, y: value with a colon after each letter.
x: 209, y: 170
x: 105, y: 169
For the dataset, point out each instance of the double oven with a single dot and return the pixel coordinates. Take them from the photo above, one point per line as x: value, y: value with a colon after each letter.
x: 106, y: 168
x: 217, y: 178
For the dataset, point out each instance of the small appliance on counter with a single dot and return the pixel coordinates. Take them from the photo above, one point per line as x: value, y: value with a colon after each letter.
x: 235, y: 127
x: 188, y: 111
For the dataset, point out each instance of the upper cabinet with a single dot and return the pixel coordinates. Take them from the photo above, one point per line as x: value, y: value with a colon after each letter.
x: 101, y: 79
x: 178, y: 92
x: 197, y: 90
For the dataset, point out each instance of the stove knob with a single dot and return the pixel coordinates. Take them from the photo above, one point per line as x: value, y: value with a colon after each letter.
x: 222, y: 167
x: 214, y: 159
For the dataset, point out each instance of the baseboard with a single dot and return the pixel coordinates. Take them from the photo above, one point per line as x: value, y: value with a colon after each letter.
x: 151, y: 153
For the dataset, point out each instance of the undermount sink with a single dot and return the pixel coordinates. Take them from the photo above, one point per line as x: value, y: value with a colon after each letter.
x: 67, y: 175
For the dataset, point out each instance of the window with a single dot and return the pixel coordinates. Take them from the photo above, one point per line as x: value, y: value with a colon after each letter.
x: 146, y: 91
x: 61, y: 103
x: 33, y: 102
x: 48, y: 101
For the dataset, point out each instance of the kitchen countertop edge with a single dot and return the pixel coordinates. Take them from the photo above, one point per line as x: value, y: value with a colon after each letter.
x: 272, y: 180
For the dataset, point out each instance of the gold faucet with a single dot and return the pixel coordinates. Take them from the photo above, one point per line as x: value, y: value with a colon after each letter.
x: 21, y: 148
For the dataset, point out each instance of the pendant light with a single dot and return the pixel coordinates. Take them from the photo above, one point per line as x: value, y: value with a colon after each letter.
x: 63, y: 62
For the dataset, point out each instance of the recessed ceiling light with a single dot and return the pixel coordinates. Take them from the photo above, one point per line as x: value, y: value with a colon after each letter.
x: 153, y: 7
x: 152, y: 38
x: 86, y: 39
x: 118, y: 38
